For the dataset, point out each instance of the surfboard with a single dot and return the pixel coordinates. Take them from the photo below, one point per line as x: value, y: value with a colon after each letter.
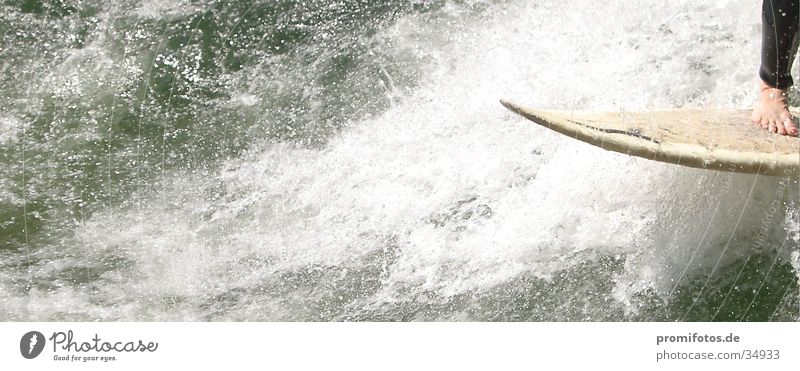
x: 714, y: 139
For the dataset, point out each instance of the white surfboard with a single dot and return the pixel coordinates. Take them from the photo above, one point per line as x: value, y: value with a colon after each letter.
x: 719, y: 139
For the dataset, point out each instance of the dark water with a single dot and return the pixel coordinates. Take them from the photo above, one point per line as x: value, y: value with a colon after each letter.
x: 346, y: 160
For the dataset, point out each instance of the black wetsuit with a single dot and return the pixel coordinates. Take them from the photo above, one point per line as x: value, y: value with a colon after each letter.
x: 781, y: 20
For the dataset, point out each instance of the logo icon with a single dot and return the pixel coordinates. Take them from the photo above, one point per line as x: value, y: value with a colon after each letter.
x: 31, y: 344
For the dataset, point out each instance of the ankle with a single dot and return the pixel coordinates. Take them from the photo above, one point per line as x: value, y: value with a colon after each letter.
x: 764, y: 87
x: 773, y: 94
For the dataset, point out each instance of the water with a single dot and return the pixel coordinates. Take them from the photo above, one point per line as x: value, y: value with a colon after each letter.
x: 349, y: 160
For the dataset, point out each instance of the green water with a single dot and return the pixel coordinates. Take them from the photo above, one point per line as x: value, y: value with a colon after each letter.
x: 125, y: 126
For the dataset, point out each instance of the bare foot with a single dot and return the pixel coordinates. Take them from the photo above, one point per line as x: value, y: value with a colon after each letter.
x: 772, y: 113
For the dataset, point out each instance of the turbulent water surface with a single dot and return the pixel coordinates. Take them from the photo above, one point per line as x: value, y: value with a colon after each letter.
x: 348, y: 160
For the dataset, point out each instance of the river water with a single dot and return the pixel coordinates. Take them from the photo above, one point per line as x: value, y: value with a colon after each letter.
x: 348, y: 160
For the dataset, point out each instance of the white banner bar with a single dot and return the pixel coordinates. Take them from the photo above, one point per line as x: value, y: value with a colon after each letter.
x: 399, y: 346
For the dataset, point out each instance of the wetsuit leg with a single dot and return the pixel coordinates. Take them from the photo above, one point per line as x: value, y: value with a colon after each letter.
x: 779, y: 41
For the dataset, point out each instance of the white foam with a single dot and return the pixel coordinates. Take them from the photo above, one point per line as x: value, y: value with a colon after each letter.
x: 10, y: 129
x: 469, y: 194
x: 166, y: 9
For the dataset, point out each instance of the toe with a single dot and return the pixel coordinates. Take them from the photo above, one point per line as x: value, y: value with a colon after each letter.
x: 764, y: 123
x: 772, y: 127
x: 780, y: 129
x: 791, y: 127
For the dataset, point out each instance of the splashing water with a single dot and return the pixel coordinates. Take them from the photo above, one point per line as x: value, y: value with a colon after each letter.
x: 348, y: 160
